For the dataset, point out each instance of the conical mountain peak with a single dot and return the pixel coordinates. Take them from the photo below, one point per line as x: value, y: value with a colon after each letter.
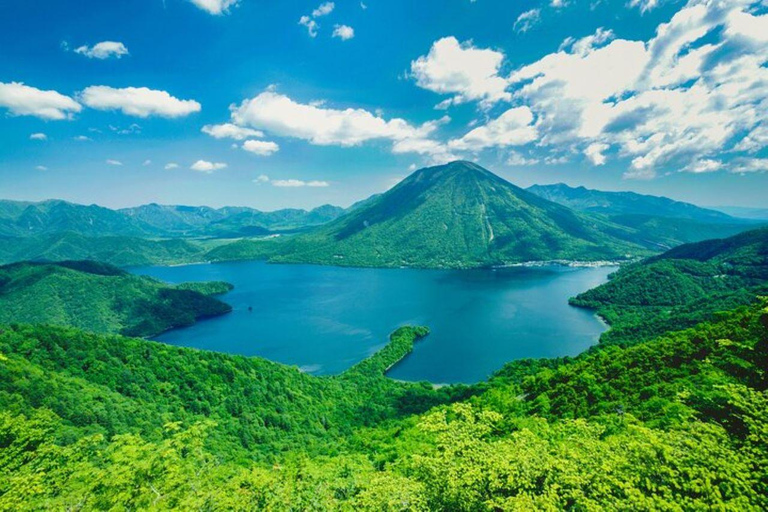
x: 459, y: 215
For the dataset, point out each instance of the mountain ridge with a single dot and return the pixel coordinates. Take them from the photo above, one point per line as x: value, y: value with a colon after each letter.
x: 459, y: 215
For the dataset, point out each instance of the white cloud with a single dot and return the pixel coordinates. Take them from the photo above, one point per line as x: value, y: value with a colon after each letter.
x: 323, y: 9
x: 137, y: 101
x: 310, y: 24
x: 280, y: 115
x: 644, y: 5
x: 299, y: 183
x: 693, y: 91
x: 23, y: 100
x: 468, y: 73
x: 82, y: 138
x: 114, y: 162
x: 133, y: 128
x: 516, y: 159
x: 41, y: 168
x: 343, y: 32
x: 527, y: 20
x: 747, y: 165
x: 230, y: 131
x: 38, y: 136
x: 512, y: 128
x: 290, y: 183
x: 594, y: 153
x: 103, y: 50
x: 216, y: 7
x: 171, y: 165
x: 207, y: 167
x: 704, y: 165
x: 588, y: 43
x: 260, y: 147
x: 147, y: 162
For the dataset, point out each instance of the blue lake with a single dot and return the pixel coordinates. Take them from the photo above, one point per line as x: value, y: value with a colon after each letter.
x: 325, y: 319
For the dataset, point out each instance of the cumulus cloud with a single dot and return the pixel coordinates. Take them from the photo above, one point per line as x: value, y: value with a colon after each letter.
x: 343, y: 32
x: 260, y: 147
x: 323, y: 9
x: 38, y: 136
x: 206, y: 167
x: 230, y: 131
x: 137, y: 101
x: 527, y: 20
x: 103, y: 50
x: 171, y: 165
x: 23, y: 100
x: 280, y: 115
x: 512, y: 128
x: 262, y: 178
x: 466, y: 72
x: 114, y: 162
x: 704, y: 165
x: 82, y: 138
x: 594, y: 153
x: 310, y: 24
x: 216, y: 7
x: 41, y: 168
x: 309, y: 21
x: 695, y: 90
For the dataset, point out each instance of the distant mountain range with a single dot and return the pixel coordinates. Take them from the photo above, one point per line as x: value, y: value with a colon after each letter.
x: 745, y: 212
x: 460, y: 215
x: 625, y: 203
x: 659, y: 219
x: 25, y: 219
x: 456, y: 215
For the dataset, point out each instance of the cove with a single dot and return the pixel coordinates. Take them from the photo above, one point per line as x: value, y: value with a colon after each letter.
x: 325, y: 319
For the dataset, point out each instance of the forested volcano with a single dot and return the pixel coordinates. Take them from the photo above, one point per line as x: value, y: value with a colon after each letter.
x: 460, y: 215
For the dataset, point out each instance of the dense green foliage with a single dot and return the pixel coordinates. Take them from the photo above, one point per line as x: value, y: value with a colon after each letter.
x: 227, y: 222
x: 21, y: 219
x: 114, y: 385
x: 451, y: 216
x: 681, y: 287
x: 206, y: 287
x: 658, y: 417
x: 116, y: 250
x: 677, y: 423
x: 102, y: 298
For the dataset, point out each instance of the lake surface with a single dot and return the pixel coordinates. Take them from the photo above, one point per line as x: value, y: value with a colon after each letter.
x: 325, y: 319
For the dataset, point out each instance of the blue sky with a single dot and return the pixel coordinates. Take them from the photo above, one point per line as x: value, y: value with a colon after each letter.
x: 295, y: 104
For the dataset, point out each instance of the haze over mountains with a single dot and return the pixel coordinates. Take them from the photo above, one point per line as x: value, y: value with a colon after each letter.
x: 625, y: 203
x: 21, y: 218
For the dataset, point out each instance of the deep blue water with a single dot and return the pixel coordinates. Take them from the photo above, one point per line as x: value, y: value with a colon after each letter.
x: 325, y: 319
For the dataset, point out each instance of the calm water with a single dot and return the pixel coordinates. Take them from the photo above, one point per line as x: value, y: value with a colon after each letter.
x: 325, y: 319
